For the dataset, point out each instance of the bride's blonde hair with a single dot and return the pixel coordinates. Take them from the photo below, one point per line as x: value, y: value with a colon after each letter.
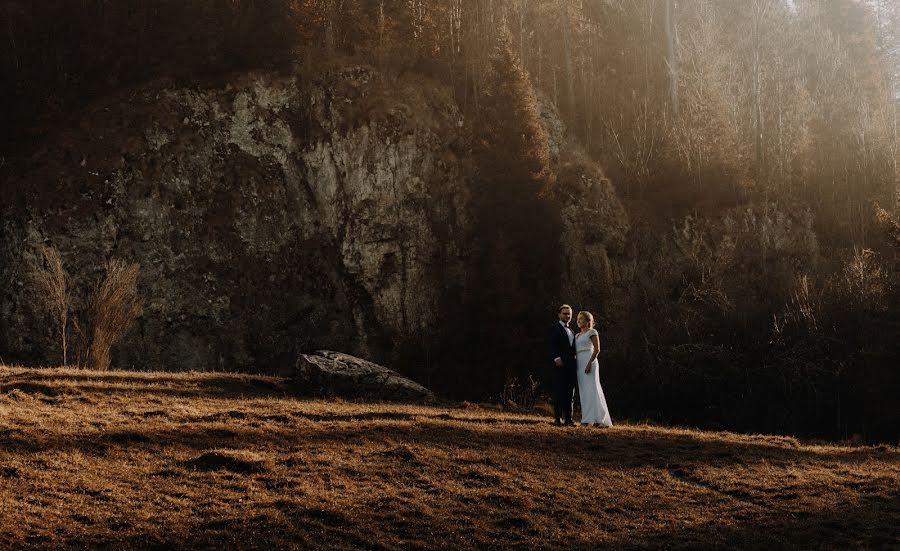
x: 589, y: 316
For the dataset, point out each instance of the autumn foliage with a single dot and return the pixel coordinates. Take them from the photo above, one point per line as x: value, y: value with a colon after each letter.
x: 751, y: 142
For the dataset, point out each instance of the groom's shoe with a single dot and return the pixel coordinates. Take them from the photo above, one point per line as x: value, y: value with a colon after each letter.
x: 557, y: 423
x: 570, y: 423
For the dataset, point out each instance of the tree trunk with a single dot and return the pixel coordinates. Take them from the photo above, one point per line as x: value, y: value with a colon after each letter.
x: 567, y: 44
x: 757, y: 115
x: 670, y: 43
x: 523, y: 9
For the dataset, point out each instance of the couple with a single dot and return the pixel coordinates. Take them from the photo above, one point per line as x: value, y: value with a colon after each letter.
x: 575, y: 359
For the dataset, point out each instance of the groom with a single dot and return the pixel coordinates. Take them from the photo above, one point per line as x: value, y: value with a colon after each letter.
x: 562, y: 353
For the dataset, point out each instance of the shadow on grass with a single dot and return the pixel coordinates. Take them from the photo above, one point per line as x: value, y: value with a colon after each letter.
x: 222, y: 387
x: 283, y: 524
x: 193, y: 386
x: 870, y: 523
x: 626, y: 446
x: 622, y: 447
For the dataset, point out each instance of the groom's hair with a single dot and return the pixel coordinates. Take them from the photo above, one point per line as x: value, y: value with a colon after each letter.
x: 563, y: 307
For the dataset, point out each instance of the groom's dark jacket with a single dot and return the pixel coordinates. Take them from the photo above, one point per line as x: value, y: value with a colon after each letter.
x: 560, y: 346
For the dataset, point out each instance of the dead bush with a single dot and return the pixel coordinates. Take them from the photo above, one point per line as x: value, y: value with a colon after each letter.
x: 521, y: 394
x: 114, y: 308
x: 53, y: 290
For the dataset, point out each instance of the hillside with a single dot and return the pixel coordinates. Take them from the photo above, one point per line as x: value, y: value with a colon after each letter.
x: 264, y: 210
x: 397, y: 180
x: 126, y: 460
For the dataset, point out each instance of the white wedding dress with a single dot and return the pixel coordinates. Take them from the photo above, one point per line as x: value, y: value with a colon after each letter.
x: 593, y: 403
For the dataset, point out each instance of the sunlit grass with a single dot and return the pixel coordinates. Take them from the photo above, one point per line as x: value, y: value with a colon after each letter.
x: 137, y: 460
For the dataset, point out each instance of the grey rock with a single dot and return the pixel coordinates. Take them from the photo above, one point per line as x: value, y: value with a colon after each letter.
x: 342, y: 375
x: 272, y: 216
x: 277, y: 225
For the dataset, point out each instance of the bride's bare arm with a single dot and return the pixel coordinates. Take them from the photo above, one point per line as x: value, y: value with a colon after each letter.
x: 595, y: 341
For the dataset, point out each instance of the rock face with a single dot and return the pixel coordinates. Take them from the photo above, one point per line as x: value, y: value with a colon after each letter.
x: 335, y: 374
x: 276, y: 215
x: 595, y: 222
x: 271, y: 216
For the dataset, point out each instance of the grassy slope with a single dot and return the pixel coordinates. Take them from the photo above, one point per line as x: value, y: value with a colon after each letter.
x: 132, y: 461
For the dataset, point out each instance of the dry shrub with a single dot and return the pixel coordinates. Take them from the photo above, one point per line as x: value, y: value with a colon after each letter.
x: 863, y: 283
x: 888, y: 224
x: 52, y: 283
x: 521, y: 394
x: 803, y: 304
x: 114, y: 309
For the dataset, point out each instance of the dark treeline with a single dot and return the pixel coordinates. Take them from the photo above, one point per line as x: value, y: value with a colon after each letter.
x: 56, y: 56
x: 729, y: 129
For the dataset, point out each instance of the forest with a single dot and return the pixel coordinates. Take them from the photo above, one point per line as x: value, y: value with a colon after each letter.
x: 759, y: 139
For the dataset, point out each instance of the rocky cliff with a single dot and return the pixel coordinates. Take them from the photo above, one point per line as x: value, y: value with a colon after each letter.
x: 273, y: 216
x: 270, y: 216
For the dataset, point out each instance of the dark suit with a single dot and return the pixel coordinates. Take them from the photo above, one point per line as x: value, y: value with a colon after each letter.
x: 564, y: 378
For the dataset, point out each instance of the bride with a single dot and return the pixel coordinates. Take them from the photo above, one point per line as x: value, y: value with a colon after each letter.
x: 587, y: 346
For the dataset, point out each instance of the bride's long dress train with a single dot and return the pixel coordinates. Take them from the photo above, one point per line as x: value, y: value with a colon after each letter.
x: 593, y: 402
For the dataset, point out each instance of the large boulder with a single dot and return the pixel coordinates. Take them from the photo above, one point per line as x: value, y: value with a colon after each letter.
x: 336, y: 374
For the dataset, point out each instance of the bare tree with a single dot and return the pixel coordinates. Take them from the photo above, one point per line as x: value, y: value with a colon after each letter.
x: 521, y: 7
x: 567, y: 45
x: 759, y: 10
x: 670, y: 54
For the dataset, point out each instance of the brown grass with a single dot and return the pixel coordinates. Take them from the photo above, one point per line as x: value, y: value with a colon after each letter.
x: 119, y: 460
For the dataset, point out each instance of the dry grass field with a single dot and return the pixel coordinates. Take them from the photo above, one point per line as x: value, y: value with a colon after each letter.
x: 123, y: 460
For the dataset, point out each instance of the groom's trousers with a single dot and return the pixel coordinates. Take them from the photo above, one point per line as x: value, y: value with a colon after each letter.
x: 564, y: 381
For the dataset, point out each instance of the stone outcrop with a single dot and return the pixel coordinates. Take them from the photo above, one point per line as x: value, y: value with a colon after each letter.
x: 278, y: 214
x: 595, y: 222
x: 271, y: 215
x: 334, y: 374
